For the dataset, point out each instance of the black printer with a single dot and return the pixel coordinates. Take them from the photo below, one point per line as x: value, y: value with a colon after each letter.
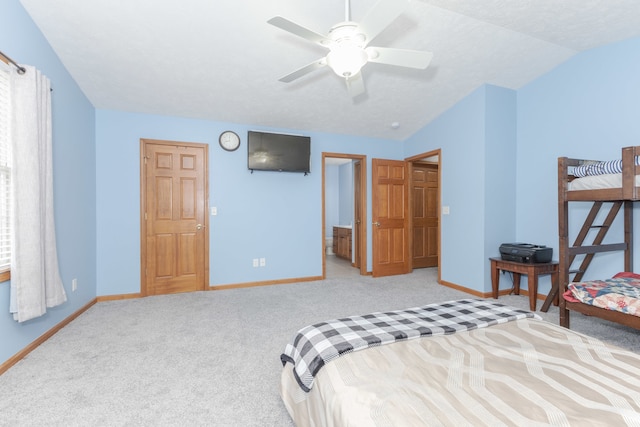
x: 525, y: 252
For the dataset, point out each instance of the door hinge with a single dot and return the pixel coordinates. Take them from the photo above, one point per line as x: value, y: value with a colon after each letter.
x: 145, y: 216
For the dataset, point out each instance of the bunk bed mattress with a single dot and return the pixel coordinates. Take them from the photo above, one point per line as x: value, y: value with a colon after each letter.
x: 598, y: 182
x: 618, y: 294
x: 522, y: 372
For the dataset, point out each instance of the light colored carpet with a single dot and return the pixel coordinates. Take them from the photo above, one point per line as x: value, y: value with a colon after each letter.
x: 206, y: 358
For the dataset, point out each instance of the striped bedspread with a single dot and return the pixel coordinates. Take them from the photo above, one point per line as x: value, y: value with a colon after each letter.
x: 314, y: 346
x: 522, y: 373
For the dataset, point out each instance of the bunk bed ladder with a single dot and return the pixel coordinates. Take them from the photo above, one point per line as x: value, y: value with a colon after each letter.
x: 597, y: 246
x: 589, y: 251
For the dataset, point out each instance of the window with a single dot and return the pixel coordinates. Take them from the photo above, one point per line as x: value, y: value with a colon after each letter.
x: 5, y: 175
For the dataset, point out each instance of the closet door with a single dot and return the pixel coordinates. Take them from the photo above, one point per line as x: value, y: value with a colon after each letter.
x: 424, y: 209
x: 174, y: 217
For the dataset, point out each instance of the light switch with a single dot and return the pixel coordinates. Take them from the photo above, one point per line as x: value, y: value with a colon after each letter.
x: 445, y: 210
x: 214, y: 211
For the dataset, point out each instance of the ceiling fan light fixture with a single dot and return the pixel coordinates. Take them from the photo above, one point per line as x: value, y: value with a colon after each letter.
x: 347, y: 60
x: 348, y: 45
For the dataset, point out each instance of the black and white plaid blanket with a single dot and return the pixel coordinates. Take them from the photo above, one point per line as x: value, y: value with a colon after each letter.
x: 314, y: 346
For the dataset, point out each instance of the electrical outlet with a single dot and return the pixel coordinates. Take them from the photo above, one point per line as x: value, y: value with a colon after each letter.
x: 255, y: 262
x: 263, y: 262
x: 74, y: 285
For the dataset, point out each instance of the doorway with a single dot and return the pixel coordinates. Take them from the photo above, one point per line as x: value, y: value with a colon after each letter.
x: 173, y: 217
x: 425, y: 207
x: 349, y: 246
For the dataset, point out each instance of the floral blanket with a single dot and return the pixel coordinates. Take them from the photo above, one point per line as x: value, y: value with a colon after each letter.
x: 619, y: 294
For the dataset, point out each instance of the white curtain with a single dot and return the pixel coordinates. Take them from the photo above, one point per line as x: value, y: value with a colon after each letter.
x: 35, y: 278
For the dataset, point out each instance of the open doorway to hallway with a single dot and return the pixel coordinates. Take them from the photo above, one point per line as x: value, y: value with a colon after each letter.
x: 344, y: 222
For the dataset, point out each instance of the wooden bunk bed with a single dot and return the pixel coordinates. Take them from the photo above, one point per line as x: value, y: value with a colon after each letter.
x: 615, y: 196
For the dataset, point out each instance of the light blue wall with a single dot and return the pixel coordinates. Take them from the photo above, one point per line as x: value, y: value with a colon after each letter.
x: 331, y: 198
x: 500, y: 188
x: 509, y: 143
x: 73, y: 180
x: 460, y: 134
x: 346, y: 194
x: 273, y: 215
x: 478, y: 142
x: 585, y: 108
x: 338, y: 196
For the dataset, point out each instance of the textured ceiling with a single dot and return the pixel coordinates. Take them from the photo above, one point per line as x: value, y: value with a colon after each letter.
x: 220, y: 60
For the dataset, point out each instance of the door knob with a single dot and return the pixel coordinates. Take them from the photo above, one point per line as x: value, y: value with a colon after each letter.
x: 376, y: 223
x: 199, y: 226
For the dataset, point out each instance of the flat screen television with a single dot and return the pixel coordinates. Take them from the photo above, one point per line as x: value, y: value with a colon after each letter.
x: 278, y: 152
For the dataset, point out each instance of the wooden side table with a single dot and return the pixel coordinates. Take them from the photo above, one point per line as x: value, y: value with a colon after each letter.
x: 532, y: 271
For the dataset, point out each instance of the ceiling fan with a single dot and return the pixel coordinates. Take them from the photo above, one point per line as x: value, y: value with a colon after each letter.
x: 348, y: 44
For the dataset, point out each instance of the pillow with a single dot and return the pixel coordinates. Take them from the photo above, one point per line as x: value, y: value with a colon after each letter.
x: 601, y: 168
x: 590, y: 167
x: 583, y: 169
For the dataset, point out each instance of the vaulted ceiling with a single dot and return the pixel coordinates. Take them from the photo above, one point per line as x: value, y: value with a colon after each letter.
x: 220, y: 60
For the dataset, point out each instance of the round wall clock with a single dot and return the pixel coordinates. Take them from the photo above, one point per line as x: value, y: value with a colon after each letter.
x: 229, y: 140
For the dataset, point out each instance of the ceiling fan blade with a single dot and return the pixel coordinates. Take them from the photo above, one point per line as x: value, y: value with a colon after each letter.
x: 399, y: 57
x: 380, y: 16
x: 319, y: 63
x: 298, y: 30
x: 355, y: 85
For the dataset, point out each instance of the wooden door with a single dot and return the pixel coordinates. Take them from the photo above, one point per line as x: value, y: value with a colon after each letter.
x: 390, y: 219
x: 424, y: 211
x: 357, y: 212
x: 174, y: 217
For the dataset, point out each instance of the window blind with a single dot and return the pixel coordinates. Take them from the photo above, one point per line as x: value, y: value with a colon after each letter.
x: 5, y: 170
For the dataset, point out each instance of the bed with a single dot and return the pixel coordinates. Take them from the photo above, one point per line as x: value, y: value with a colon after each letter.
x: 461, y: 363
x: 612, y: 187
